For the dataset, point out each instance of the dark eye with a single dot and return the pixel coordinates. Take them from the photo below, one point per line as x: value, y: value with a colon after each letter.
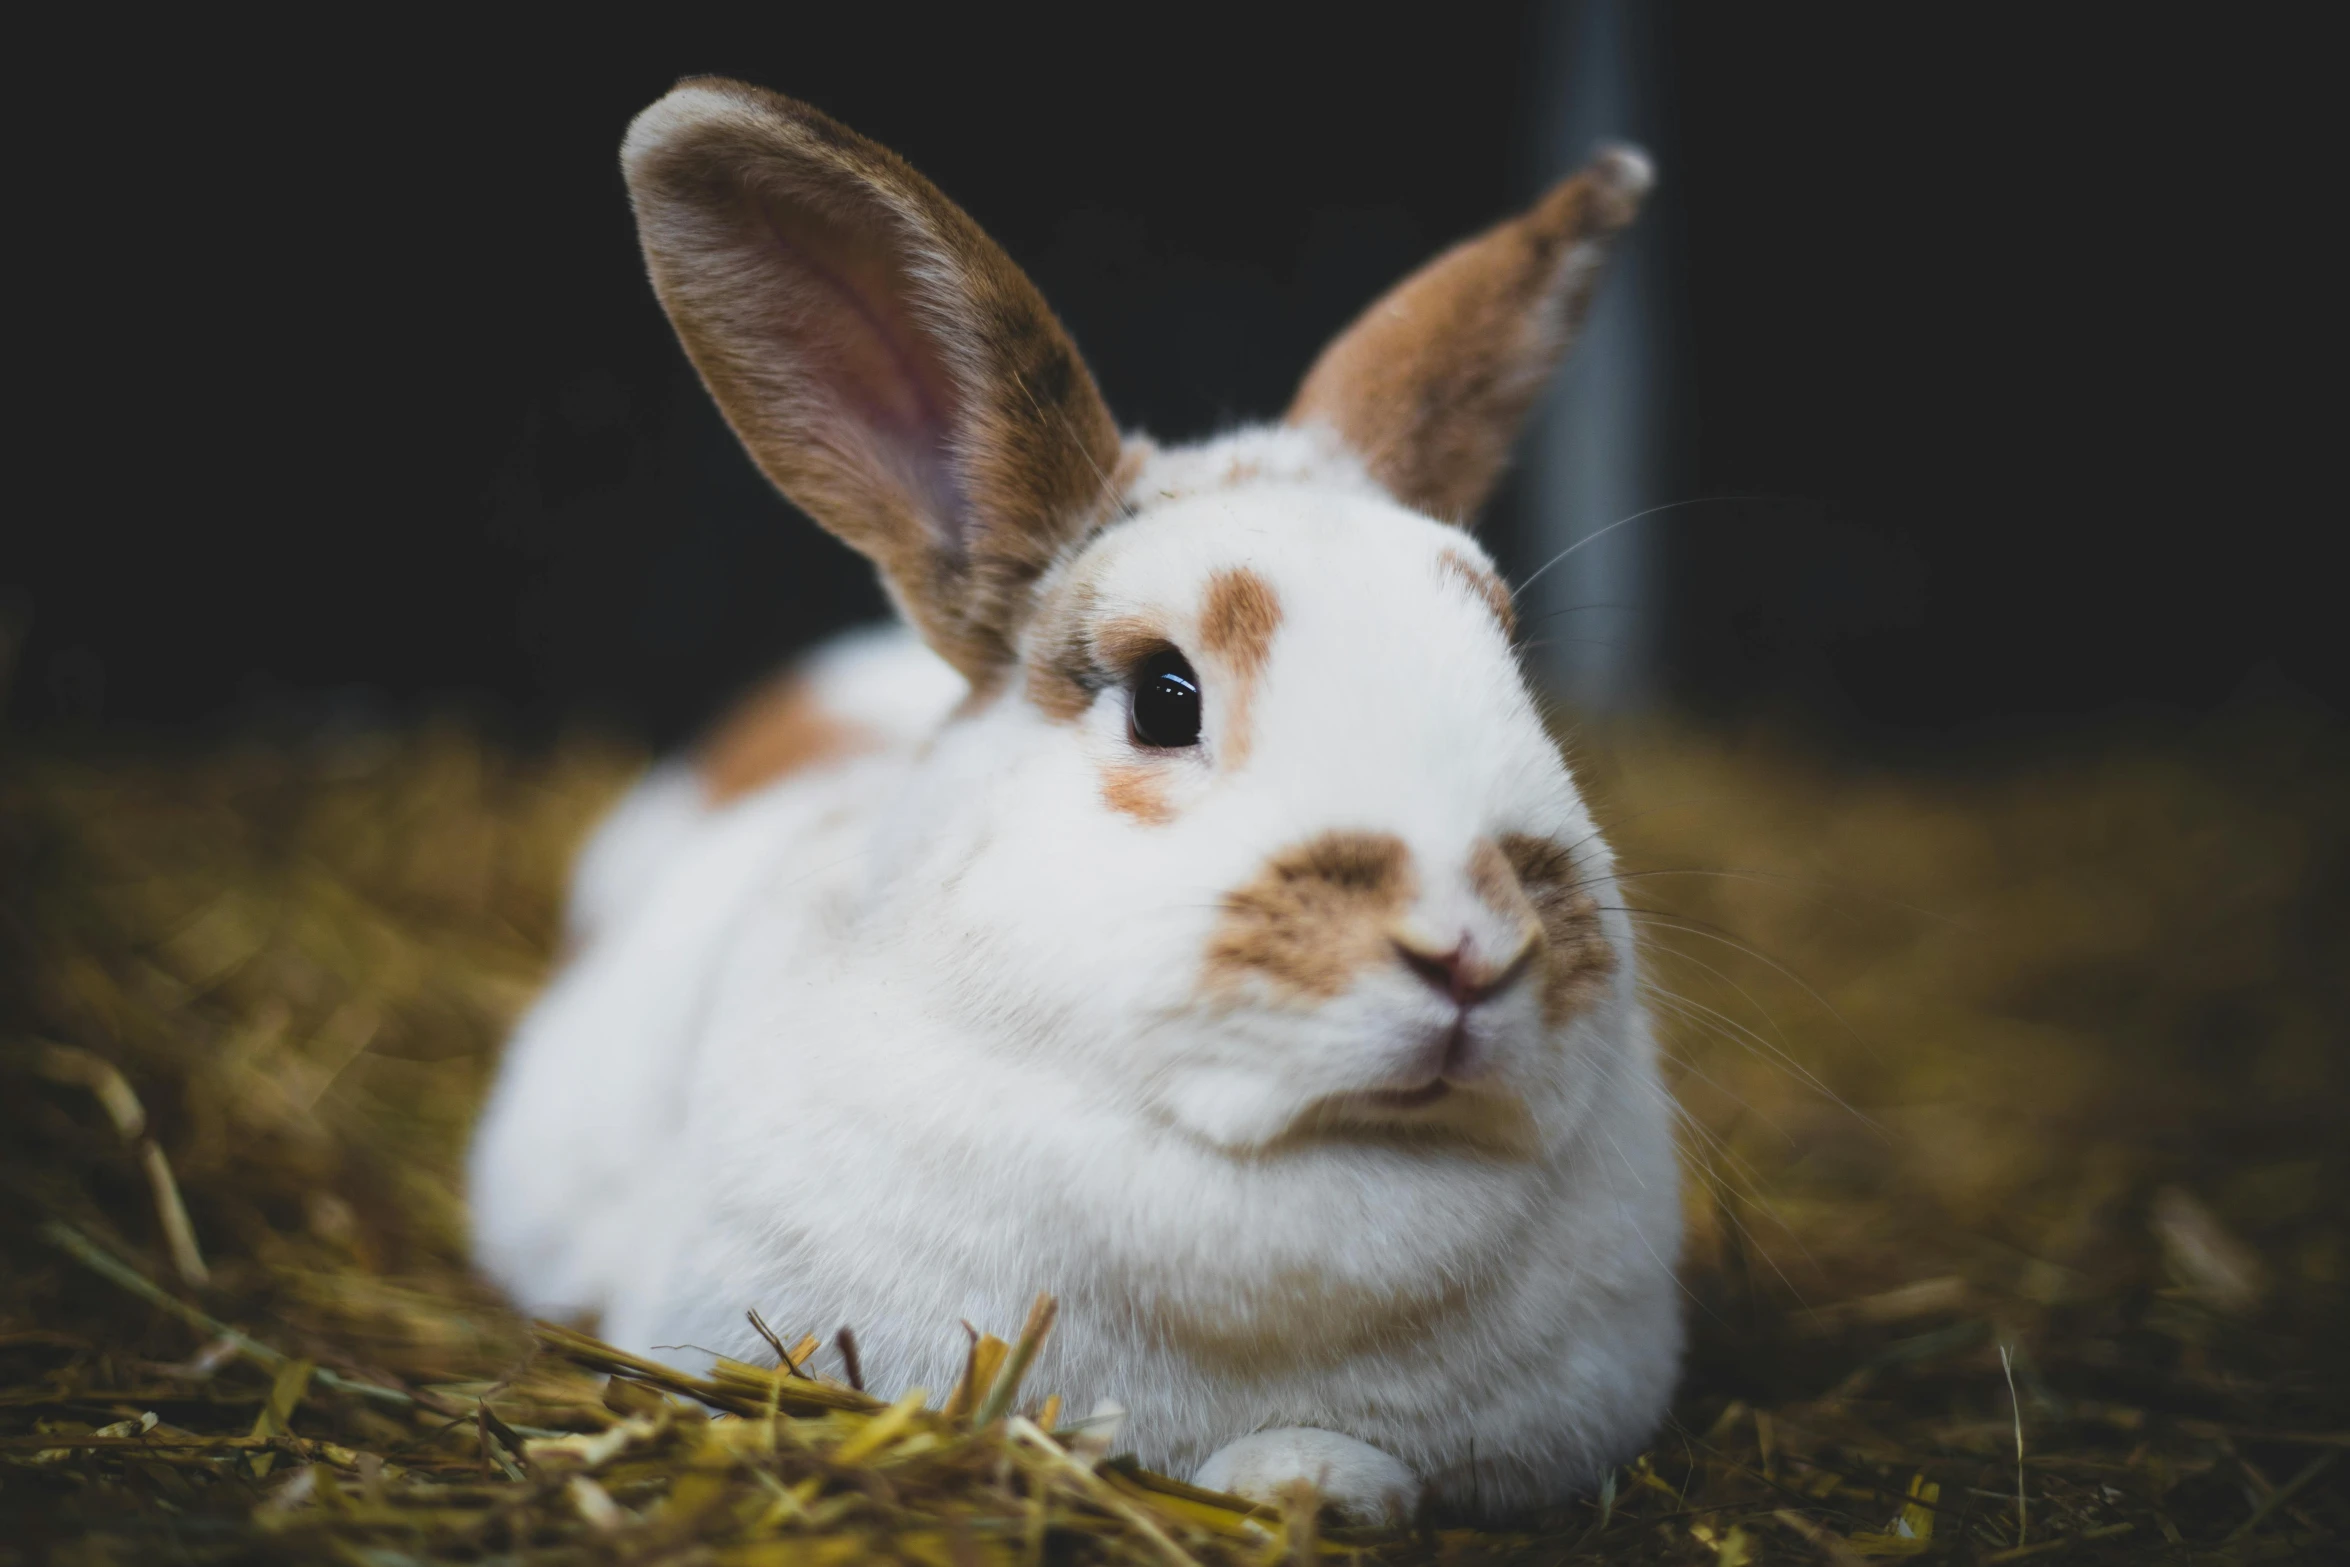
x: 1166, y: 702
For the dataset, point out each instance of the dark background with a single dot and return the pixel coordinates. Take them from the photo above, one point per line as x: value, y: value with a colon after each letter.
x: 341, y: 391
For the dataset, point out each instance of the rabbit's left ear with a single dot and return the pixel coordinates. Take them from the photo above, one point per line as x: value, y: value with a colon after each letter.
x: 1429, y: 385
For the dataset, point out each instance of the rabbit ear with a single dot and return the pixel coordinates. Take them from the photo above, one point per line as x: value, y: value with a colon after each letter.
x: 886, y: 364
x: 1429, y: 385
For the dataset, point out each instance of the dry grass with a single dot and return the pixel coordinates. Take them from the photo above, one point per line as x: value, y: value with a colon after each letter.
x: 2016, y: 1102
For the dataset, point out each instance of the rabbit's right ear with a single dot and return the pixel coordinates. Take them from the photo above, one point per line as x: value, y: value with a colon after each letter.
x: 886, y: 364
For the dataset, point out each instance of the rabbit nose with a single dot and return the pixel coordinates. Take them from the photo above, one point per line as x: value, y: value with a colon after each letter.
x: 1460, y: 975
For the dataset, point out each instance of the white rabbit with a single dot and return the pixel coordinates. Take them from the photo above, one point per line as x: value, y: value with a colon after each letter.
x: 1189, y: 916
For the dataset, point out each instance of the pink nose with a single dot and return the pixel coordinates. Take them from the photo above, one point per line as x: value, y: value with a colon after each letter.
x: 1458, y: 976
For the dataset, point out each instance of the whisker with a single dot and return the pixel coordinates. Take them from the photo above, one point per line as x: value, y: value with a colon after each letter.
x: 1698, y: 927
x: 1624, y: 522
x: 1746, y: 1190
x: 1576, y: 609
x: 1639, y: 1232
x: 1754, y: 1243
x: 1802, y: 1072
x: 1744, y: 994
x: 1539, y: 643
x: 1737, y: 1030
x: 1782, y: 878
x: 1683, y: 1009
x: 1607, y: 829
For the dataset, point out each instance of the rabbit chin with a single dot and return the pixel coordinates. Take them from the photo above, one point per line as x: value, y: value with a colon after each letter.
x: 1351, y: 1073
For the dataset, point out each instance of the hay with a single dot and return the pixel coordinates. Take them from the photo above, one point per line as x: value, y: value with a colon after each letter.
x: 2015, y: 1106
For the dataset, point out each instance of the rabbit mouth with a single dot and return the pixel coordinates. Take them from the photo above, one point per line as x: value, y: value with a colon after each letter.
x: 1452, y: 1060
x: 1407, y: 1098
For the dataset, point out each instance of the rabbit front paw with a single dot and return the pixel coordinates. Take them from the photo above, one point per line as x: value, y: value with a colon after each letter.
x: 1364, y: 1485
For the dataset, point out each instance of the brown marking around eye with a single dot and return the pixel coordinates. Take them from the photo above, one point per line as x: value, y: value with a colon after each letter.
x: 1486, y: 586
x: 1313, y: 917
x: 1237, y: 623
x: 1074, y: 655
x: 1576, y: 957
x: 780, y: 728
x: 1137, y: 792
x: 1064, y: 676
x: 1121, y: 645
x: 1073, y: 658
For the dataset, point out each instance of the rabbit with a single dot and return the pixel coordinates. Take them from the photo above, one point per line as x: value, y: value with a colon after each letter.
x: 1186, y: 911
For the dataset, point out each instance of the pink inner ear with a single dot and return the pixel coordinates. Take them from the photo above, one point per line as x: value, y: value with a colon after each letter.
x: 870, y: 363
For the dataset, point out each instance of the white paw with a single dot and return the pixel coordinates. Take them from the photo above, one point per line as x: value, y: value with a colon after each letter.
x: 1365, y: 1485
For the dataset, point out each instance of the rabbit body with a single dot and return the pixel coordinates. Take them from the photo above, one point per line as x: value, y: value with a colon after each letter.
x: 1301, y: 1059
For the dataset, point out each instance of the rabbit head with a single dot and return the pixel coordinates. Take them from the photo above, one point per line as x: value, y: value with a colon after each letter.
x: 1250, y: 818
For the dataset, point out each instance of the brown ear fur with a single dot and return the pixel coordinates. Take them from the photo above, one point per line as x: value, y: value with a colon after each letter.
x: 1430, y: 384
x: 887, y: 366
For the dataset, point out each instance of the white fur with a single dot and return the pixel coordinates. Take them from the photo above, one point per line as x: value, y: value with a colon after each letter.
x: 901, y: 1040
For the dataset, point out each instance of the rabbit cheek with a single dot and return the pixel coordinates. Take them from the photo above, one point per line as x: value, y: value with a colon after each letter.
x: 1576, y: 957
x: 1313, y: 919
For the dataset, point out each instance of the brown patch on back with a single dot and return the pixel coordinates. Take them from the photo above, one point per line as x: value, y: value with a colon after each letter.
x: 1576, y: 957
x: 1430, y: 384
x: 1137, y: 791
x: 1486, y: 586
x: 1314, y: 917
x: 1237, y: 623
x: 780, y: 728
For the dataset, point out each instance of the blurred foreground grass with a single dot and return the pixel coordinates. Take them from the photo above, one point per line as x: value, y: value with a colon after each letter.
x: 2016, y: 1107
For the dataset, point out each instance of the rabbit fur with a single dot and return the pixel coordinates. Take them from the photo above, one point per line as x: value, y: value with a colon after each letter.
x: 1303, y: 1063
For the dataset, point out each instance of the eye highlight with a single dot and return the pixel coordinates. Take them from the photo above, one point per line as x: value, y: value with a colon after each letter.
x: 1164, y: 713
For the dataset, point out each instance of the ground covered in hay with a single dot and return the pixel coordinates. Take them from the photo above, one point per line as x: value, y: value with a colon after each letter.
x: 2016, y: 1103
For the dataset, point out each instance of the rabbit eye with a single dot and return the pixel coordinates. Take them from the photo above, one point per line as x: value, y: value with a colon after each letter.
x: 1165, y: 712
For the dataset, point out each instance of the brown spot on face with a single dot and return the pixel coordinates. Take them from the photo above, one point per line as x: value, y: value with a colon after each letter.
x: 1138, y: 792
x: 779, y: 728
x: 1485, y: 585
x: 1537, y: 873
x: 1496, y: 883
x: 1313, y: 917
x: 1430, y: 384
x: 1237, y: 623
x: 1239, y: 618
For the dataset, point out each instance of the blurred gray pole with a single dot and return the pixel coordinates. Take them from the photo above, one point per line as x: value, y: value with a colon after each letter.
x: 1597, y: 454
